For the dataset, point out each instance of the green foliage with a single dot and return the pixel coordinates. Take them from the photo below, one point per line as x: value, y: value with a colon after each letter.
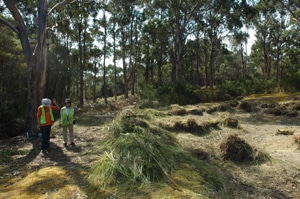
x: 244, y: 87
x: 147, y: 92
x: 203, y: 95
x: 13, y: 85
x: 151, y: 49
x: 6, y: 154
x: 180, y: 93
x: 163, y: 94
x: 233, y: 88
x: 292, y: 82
x: 260, y: 85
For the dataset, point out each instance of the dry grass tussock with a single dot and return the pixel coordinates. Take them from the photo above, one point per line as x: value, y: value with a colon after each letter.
x: 297, y: 137
x: 237, y: 150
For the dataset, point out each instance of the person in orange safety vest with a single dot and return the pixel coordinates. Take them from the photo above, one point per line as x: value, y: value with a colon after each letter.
x: 45, y: 120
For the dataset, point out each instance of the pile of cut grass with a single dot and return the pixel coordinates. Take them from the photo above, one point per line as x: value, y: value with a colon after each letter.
x: 229, y: 121
x: 189, y: 125
x: 238, y: 150
x: 139, y: 154
x: 297, y: 139
x: 136, y: 152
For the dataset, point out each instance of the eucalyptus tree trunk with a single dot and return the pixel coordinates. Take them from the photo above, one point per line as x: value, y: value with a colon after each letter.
x: 81, y: 66
x: 130, y: 55
x: 84, y: 55
x: 147, y: 64
x: 266, y: 67
x: 211, y: 67
x: 159, y: 67
x: 104, y: 58
x: 41, y: 53
x: 206, y: 64
x: 182, y: 17
x: 212, y: 38
x: 178, y: 47
x: 115, y: 65
x: 126, y: 79
x: 244, y: 63
x: 125, y: 75
x: 36, y: 61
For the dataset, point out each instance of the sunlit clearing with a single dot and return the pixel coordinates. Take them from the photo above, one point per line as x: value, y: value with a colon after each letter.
x: 49, y: 182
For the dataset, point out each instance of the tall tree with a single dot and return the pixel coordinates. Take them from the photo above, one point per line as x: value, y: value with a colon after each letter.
x: 35, y: 59
x: 181, y: 12
x: 270, y: 24
x: 104, y: 57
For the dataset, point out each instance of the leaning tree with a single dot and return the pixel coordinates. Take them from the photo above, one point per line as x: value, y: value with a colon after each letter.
x: 35, y: 55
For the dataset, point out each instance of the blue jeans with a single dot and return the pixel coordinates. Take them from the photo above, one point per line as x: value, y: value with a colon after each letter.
x: 45, y: 137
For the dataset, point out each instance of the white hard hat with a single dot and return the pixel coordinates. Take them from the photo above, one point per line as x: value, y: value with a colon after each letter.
x: 46, y: 102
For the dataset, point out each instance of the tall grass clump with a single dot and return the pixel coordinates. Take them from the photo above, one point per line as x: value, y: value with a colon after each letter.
x: 136, y: 152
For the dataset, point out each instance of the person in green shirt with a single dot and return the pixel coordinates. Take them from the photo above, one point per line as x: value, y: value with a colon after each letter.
x: 67, y: 122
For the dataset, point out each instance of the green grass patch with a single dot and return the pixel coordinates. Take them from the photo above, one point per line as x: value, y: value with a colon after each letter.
x: 7, y: 154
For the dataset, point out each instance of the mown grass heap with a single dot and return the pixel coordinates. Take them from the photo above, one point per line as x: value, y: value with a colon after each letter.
x: 136, y: 152
x: 297, y: 139
x: 141, y: 153
x: 238, y: 150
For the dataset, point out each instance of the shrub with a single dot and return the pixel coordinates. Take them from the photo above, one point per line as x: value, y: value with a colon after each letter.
x: 233, y: 88
x: 163, y: 95
x: 263, y: 85
x: 292, y: 81
x: 248, y: 86
x: 180, y: 93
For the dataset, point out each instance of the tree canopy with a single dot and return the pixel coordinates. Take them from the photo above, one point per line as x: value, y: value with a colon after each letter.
x: 179, y: 51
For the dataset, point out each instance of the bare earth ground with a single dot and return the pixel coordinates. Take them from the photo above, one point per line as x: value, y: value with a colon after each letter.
x: 61, y: 173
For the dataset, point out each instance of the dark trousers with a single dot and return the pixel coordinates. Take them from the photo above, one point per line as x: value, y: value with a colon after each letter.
x: 45, y: 137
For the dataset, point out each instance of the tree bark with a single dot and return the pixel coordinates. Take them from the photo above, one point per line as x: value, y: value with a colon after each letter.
x: 81, y: 82
x: 104, y: 58
x: 41, y: 48
x: 36, y: 62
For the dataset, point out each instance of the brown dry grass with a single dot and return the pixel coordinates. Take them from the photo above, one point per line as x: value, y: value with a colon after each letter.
x: 238, y: 150
x: 297, y: 139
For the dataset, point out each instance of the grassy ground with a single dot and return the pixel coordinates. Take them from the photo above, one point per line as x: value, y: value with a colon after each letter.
x: 193, y: 167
